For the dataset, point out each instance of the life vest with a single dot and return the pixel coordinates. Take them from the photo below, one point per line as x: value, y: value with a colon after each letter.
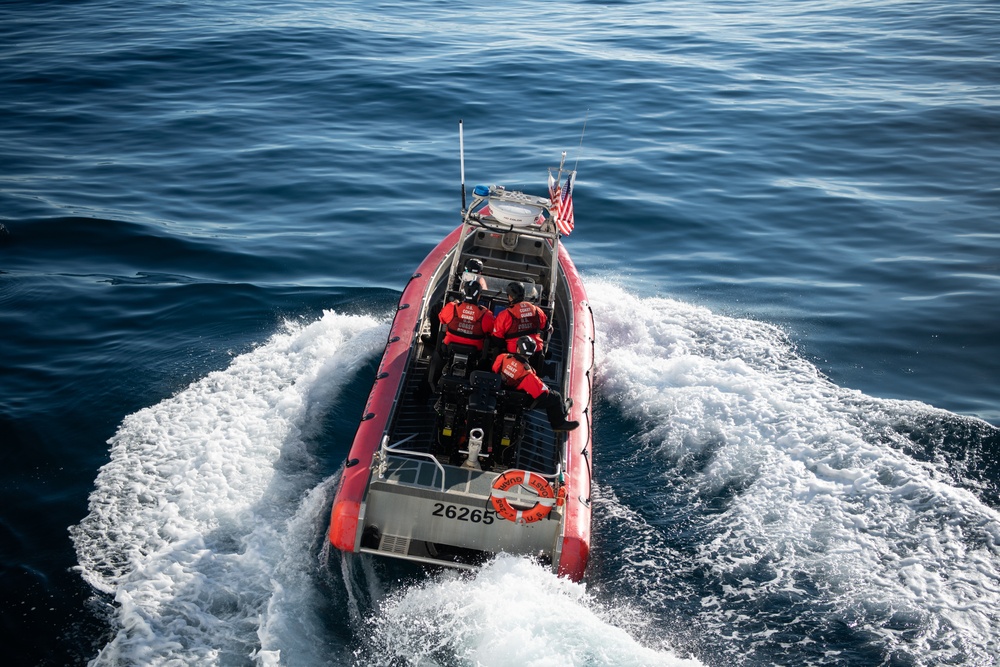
x: 524, y: 320
x: 468, y: 321
x: 513, y: 371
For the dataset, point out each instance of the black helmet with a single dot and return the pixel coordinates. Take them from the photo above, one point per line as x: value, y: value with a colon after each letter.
x: 472, y: 290
x: 515, y: 291
x: 526, y: 346
x: 474, y: 265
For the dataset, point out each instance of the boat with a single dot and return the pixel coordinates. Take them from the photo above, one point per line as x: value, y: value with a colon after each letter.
x: 451, y: 478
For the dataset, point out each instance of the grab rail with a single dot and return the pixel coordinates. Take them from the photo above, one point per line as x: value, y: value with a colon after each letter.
x: 385, y: 448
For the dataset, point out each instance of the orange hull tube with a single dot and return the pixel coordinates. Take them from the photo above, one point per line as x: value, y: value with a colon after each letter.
x: 576, y: 536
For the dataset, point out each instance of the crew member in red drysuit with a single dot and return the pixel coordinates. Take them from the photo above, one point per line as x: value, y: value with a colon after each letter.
x: 466, y: 323
x: 521, y: 318
x: 518, y: 374
x: 473, y: 271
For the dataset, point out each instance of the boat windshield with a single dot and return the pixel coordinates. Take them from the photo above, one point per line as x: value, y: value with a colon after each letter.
x: 496, y: 286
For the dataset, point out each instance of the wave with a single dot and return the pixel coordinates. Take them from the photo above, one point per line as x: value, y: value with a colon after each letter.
x: 197, y: 523
x: 750, y: 511
x: 788, y: 518
x: 84, y: 245
x: 512, y: 612
x: 207, y: 527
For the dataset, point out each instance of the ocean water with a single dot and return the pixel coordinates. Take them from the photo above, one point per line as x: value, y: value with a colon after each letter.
x: 788, y: 221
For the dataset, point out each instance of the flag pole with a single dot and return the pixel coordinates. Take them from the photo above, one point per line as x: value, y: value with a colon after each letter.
x: 550, y: 303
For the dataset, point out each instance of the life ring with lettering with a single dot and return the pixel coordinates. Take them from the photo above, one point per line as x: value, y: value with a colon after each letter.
x: 501, y: 496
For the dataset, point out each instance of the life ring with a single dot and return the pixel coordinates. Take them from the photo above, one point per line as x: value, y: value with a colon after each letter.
x: 500, y: 496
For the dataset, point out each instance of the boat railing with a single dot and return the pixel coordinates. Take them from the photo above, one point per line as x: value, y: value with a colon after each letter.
x: 385, y: 449
x: 476, y: 221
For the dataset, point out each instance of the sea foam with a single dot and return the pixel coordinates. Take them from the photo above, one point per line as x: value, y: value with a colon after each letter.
x: 801, y: 507
x: 202, y: 510
x: 513, y: 613
x: 207, y: 527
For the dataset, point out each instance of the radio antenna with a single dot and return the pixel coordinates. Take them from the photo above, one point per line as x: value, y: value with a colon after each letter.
x: 580, y: 149
x: 461, y: 159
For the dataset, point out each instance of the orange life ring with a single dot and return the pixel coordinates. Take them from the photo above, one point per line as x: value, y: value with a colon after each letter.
x: 510, y: 479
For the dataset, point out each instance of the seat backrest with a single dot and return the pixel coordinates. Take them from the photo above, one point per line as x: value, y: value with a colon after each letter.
x: 461, y: 359
x: 459, y: 348
x: 485, y: 386
x: 453, y: 387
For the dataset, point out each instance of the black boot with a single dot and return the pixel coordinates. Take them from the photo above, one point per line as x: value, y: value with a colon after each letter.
x: 554, y: 407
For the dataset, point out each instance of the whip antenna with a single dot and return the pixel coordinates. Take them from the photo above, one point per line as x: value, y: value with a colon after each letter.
x: 562, y: 161
x: 580, y: 149
x: 461, y: 159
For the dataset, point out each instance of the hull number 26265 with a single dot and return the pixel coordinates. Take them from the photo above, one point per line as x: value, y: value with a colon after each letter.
x: 463, y: 513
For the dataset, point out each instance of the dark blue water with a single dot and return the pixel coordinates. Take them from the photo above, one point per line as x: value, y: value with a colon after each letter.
x: 788, y: 219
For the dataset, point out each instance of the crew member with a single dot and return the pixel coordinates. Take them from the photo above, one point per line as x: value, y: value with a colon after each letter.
x: 473, y: 271
x: 466, y: 323
x: 518, y: 374
x: 521, y: 318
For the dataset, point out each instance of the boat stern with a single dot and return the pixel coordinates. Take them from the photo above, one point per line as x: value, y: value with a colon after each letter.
x: 421, y: 510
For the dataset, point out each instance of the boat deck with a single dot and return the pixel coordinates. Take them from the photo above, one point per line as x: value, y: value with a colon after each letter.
x: 538, y: 450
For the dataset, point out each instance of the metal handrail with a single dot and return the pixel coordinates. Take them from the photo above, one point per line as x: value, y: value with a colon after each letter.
x: 385, y: 448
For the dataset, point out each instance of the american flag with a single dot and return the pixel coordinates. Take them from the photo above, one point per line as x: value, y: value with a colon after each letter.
x: 562, y: 203
x: 553, y: 192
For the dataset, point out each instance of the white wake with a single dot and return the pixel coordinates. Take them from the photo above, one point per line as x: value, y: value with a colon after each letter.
x: 512, y: 613
x: 203, y: 519
x: 825, y: 509
x: 207, y: 527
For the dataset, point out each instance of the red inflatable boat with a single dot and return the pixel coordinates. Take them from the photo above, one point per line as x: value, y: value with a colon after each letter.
x: 452, y: 469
